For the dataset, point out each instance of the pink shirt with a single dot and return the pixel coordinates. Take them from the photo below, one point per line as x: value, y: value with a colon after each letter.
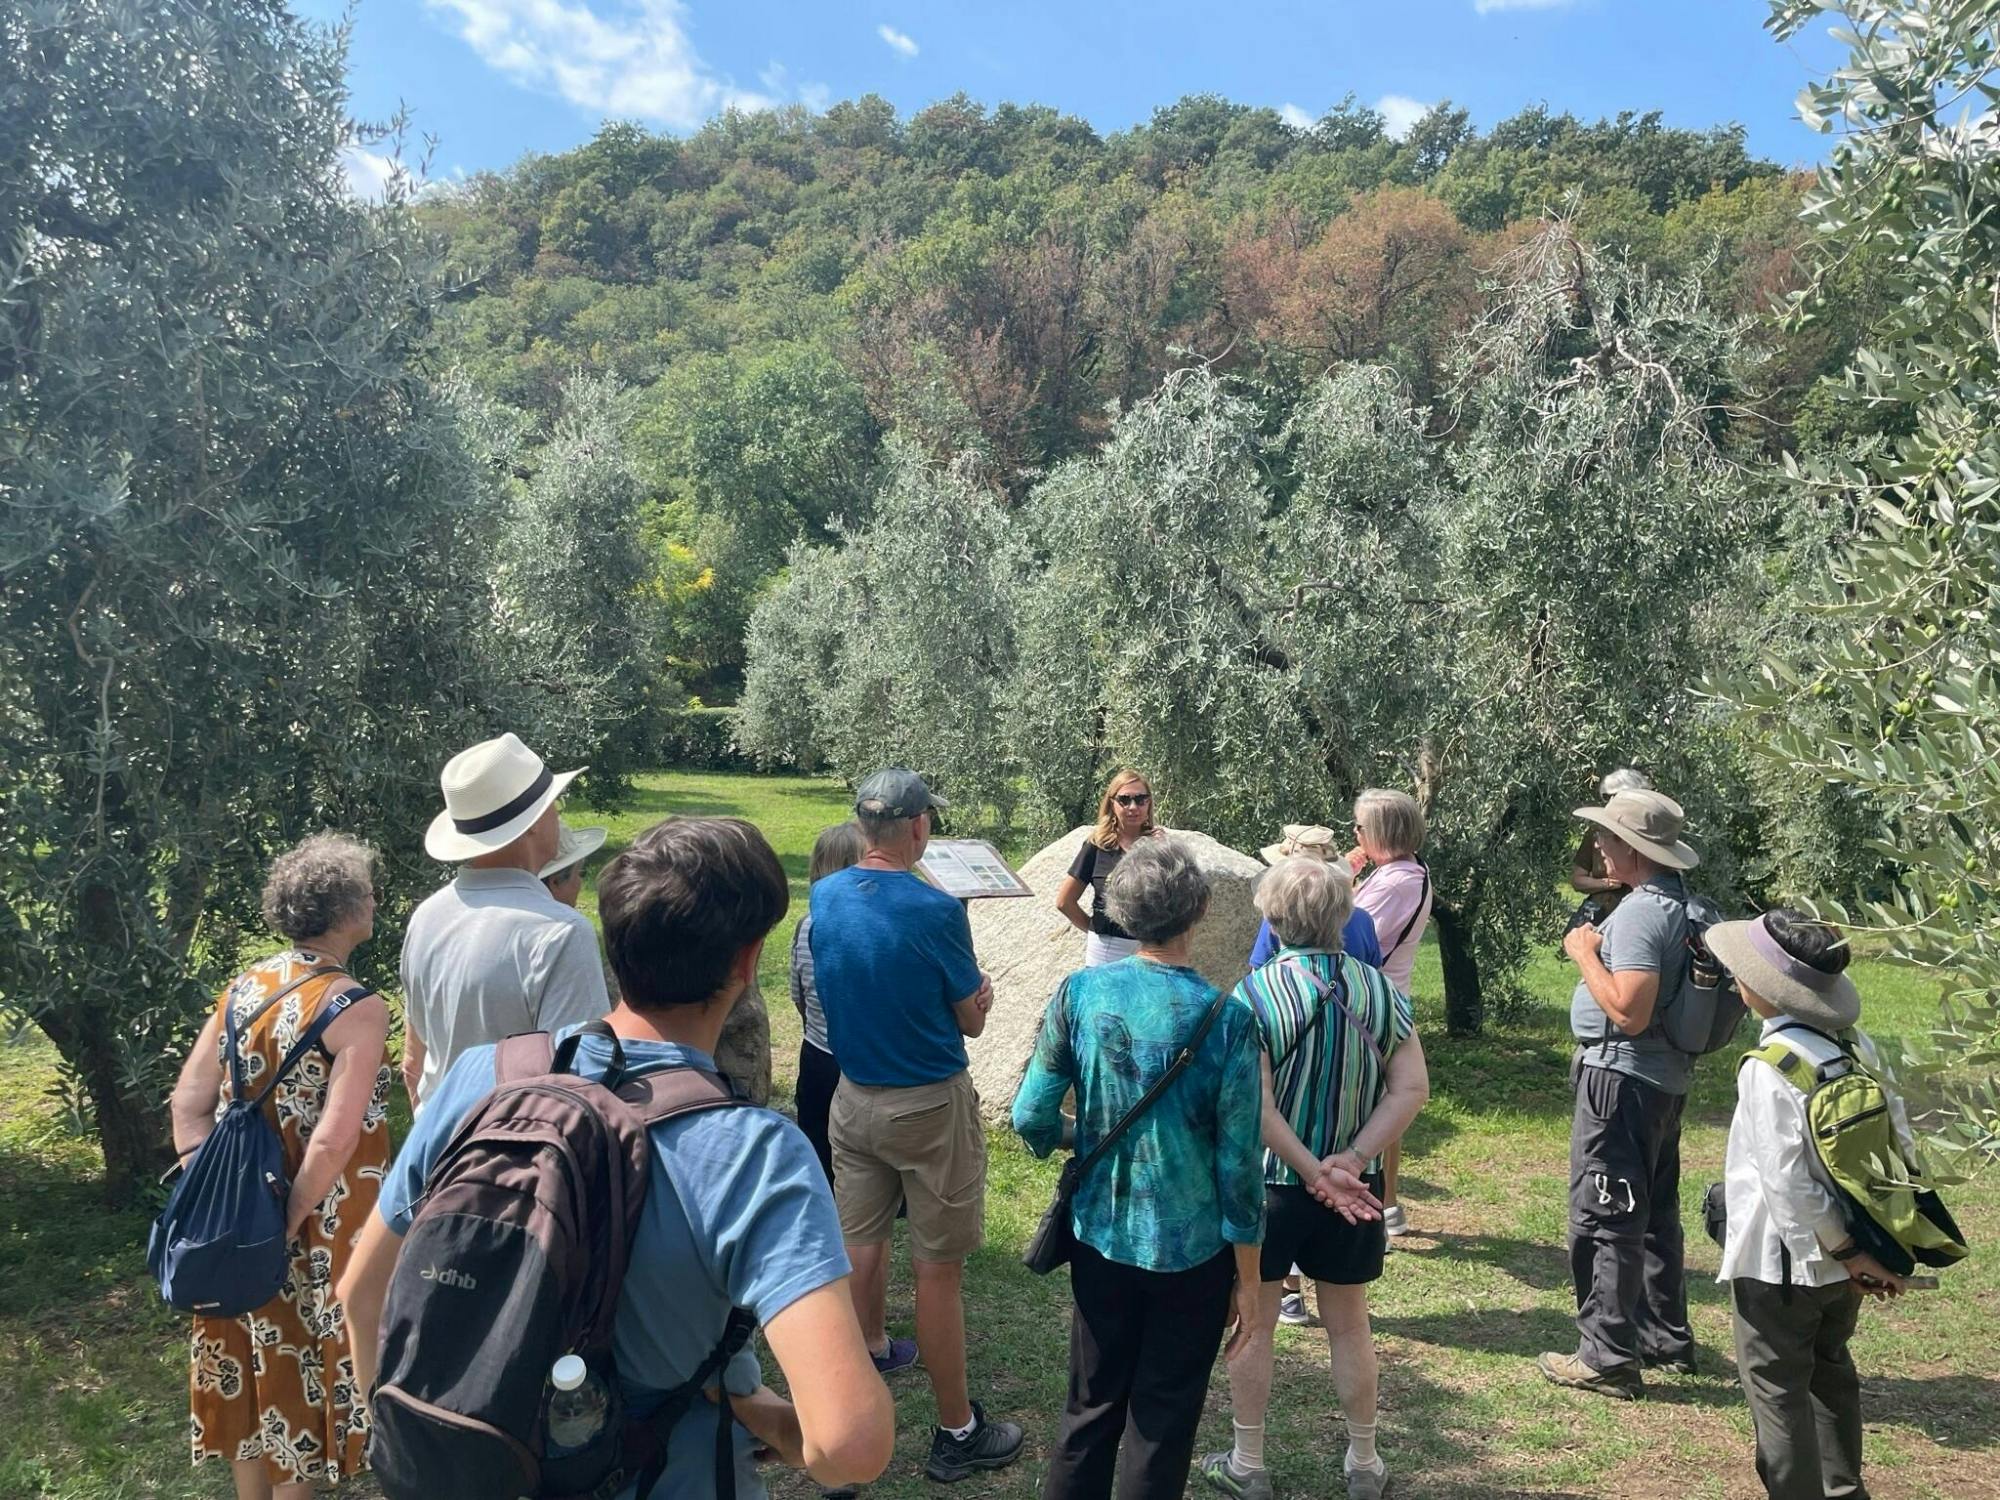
x: 1393, y: 895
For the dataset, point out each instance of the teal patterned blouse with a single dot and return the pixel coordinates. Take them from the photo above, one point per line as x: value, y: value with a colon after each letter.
x: 1188, y: 1178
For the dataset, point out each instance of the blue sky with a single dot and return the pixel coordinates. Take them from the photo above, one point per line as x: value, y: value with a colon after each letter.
x: 492, y: 79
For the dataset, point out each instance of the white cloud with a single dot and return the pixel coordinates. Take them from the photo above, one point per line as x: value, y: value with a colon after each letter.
x: 632, y: 60
x: 901, y: 41
x: 1295, y: 117
x: 368, y: 173
x: 1487, y: 7
x: 815, y: 97
x: 1399, y: 113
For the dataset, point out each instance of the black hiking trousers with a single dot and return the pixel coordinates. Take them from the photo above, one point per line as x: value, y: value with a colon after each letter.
x: 1626, y: 1252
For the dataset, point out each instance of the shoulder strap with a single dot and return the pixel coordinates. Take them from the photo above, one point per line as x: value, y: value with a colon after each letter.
x: 233, y: 1030
x: 673, y: 1092
x: 309, y: 1038
x: 525, y: 1054
x: 1152, y: 1095
x: 1335, y: 998
x: 1423, y: 895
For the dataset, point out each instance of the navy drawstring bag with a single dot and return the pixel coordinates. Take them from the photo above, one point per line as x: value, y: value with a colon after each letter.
x: 218, y: 1247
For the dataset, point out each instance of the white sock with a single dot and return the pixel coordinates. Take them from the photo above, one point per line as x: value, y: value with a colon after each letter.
x: 1248, y: 1455
x: 962, y: 1433
x: 1361, y: 1452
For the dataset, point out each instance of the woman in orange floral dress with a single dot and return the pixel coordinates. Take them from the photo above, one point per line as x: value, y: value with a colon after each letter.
x: 273, y: 1391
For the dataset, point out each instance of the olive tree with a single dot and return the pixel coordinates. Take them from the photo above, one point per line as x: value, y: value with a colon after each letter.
x: 243, y: 547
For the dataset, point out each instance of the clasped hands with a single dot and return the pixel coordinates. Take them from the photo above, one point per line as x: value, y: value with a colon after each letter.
x: 1339, y: 1186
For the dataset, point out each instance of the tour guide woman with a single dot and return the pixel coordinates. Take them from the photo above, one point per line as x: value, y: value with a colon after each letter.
x: 273, y: 1391
x: 1124, y: 816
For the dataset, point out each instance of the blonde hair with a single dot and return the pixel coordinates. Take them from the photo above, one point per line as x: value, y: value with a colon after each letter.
x: 1391, y: 819
x: 835, y: 849
x: 1106, y: 834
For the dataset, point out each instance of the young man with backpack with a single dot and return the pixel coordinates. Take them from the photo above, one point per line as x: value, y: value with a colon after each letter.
x: 730, y: 1227
x: 1631, y: 1082
x: 1795, y: 1264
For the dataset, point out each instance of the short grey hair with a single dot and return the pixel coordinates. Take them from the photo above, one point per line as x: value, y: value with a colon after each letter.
x: 316, y: 886
x: 1307, y: 902
x: 1392, y: 819
x: 1158, y: 890
x: 1625, y: 779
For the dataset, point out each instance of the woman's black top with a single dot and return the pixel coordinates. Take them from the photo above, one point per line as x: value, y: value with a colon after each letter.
x: 1093, y: 866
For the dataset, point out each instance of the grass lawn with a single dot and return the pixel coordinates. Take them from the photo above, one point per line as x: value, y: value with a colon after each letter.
x: 92, y: 1368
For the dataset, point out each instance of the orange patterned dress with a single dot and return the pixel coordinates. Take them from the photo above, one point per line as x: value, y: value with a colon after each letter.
x: 277, y: 1384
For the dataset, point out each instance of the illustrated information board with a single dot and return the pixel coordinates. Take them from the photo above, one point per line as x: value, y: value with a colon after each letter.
x: 970, y: 869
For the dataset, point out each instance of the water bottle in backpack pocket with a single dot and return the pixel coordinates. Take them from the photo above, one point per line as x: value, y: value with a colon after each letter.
x: 1705, y: 1010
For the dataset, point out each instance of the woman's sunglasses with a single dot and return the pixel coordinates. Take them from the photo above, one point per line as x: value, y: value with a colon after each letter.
x: 1133, y: 799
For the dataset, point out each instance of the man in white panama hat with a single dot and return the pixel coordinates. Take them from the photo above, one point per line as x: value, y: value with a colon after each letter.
x: 1631, y: 1084
x: 493, y: 952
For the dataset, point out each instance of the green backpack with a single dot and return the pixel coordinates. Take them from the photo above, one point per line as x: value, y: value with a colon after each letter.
x: 1892, y: 1215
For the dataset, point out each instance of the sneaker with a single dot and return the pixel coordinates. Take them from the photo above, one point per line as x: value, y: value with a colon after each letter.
x: 1292, y: 1311
x: 990, y: 1445
x: 1367, y: 1484
x: 900, y: 1355
x: 1220, y: 1472
x: 1570, y: 1370
x: 1394, y: 1221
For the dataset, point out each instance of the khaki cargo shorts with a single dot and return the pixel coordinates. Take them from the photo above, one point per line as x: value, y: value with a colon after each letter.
x: 924, y: 1146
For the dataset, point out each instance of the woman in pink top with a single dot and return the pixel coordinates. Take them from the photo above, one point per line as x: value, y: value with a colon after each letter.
x: 1388, y: 831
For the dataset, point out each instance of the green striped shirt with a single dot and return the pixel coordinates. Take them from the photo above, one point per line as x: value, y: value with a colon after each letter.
x: 1329, y: 1084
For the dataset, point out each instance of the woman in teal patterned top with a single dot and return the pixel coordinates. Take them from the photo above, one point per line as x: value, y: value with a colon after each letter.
x: 1169, y: 1221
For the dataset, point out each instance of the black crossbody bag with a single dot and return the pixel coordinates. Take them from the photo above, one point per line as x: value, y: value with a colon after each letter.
x: 1054, y: 1239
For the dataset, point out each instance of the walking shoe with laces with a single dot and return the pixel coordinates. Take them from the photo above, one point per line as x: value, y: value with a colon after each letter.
x: 1367, y: 1484
x: 900, y: 1355
x: 1292, y: 1310
x: 990, y: 1445
x: 1570, y: 1370
x: 1220, y: 1472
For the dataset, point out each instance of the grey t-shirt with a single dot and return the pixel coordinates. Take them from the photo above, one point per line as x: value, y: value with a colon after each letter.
x: 491, y: 954
x: 1647, y: 931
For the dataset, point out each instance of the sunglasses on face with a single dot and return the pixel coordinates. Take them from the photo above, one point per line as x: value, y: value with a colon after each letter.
x: 1133, y: 799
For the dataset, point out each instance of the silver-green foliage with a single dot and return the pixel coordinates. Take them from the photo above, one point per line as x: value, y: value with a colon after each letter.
x: 1900, y: 689
x: 243, y: 546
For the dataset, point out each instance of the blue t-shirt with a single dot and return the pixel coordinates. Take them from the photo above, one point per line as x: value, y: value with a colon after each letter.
x: 891, y: 957
x: 1357, y: 937
x: 737, y: 1215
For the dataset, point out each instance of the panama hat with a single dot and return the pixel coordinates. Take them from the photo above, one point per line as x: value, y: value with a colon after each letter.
x: 1827, y: 1002
x: 573, y: 845
x: 1649, y: 822
x: 493, y: 793
x: 1308, y: 839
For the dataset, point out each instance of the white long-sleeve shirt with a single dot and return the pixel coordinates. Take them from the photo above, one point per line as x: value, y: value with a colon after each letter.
x: 1777, y: 1199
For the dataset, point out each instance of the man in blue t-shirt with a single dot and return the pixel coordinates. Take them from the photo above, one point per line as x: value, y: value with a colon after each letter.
x: 737, y: 1212
x: 892, y: 961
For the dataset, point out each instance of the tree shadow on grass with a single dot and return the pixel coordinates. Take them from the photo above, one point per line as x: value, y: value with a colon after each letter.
x: 1534, y: 1263
x: 1953, y: 1411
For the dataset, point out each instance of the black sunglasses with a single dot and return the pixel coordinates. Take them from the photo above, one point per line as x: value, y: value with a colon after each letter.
x: 1133, y: 799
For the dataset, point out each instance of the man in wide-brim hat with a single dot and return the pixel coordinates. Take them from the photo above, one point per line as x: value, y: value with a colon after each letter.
x: 493, y: 952
x: 563, y: 874
x: 1631, y: 1086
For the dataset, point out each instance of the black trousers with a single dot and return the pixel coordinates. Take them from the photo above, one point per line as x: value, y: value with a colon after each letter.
x: 1804, y: 1392
x: 819, y: 1076
x: 1141, y: 1345
x: 1625, y: 1245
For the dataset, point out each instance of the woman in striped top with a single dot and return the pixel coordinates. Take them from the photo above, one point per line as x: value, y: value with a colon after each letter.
x: 1343, y: 1078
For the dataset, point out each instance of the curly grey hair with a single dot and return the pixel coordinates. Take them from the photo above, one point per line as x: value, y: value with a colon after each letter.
x: 1158, y: 891
x: 1626, y: 779
x: 317, y: 885
x: 1308, y: 902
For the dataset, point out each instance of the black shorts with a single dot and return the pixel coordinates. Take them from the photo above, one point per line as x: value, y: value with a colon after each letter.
x: 1301, y: 1231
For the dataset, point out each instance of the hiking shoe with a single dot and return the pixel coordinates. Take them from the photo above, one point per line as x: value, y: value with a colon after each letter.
x: 900, y: 1355
x: 1368, y: 1484
x: 1220, y: 1472
x: 1570, y: 1370
x: 1677, y: 1364
x: 990, y: 1445
x: 1292, y: 1310
x: 1395, y: 1223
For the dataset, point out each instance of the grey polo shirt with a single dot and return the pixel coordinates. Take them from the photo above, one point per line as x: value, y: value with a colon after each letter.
x: 1648, y: 931
x: 491, y: 954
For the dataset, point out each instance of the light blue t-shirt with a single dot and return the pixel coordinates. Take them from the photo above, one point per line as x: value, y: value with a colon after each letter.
x: 891, y: 956
x: 737, y: 1215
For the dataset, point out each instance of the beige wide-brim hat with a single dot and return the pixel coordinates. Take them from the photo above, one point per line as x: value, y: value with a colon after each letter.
x: 1308, y: 840
x: 1650, y: 822
x: 1827, y: 1002
x: 493, y: 793
x: 573, y: 846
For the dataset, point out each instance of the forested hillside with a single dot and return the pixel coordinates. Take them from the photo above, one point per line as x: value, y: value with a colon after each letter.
x: 776, y: 293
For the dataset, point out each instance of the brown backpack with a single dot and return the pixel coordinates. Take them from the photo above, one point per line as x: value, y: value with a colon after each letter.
x: 514, y: 1258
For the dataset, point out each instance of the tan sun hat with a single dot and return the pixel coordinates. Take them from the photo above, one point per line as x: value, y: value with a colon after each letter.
x: 573, y: 845
x: 1828, y: 1002
x: 1308, y: 839
x: 1650, y: 822
x: 493, y: 793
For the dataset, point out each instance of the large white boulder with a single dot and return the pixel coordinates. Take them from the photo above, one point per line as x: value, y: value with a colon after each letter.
x: 1028, y: 948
